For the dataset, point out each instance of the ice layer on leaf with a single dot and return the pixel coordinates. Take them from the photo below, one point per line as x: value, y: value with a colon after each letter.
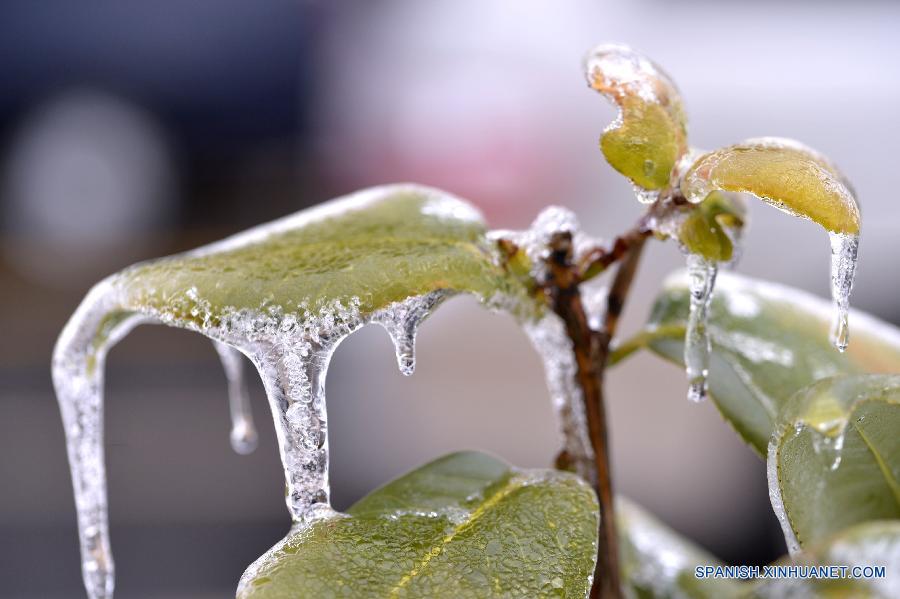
x: 796, y: 180
x: 284, y: 294
x: 649, y: 135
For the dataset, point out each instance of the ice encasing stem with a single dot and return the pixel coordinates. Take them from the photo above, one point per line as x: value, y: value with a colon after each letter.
x: 591, y: 350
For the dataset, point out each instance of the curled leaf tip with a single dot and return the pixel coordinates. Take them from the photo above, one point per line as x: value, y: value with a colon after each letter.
x: 783, y: 173
x: 649, y: 136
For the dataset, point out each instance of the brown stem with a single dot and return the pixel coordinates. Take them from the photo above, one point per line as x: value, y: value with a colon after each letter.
x: 618, y: 292
x: 563, y: 291
x: 599, y: 259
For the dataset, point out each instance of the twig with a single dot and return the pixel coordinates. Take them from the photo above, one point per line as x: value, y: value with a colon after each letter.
x: 592, y: 354
x: 587, y: 346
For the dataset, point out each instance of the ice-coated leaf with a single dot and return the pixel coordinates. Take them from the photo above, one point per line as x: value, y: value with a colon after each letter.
x: 705, y: 230
x: 783, y: 173
x: 649, y: 136
x: 657, y: 562
x: 834, y: 460
x: 374, y: 247
x: 464, y: 526
x: 284, y: 294
x: 796, y: 180
x: 873, y: 544
x: 768, y: 341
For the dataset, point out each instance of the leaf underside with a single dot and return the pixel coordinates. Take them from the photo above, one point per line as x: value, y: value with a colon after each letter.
x: 466, y: 525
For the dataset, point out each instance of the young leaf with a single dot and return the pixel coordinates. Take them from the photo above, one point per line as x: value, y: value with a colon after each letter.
x: 834, y: 459
x: 768, y: 342
x: 705, y: 231
x: 649, y: 136
x: 864, y: 545
x: 464, y: 526
x: 783, y: 173
x: 657, y: 562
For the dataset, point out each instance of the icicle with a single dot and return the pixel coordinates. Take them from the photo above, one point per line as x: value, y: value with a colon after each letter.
x: 401, y: 321
x: 293, y: 375
x: 844, y: 250
x: 548, y: 336
x: 78, y: 361
x: 243, y: 432
x: 702, y: 280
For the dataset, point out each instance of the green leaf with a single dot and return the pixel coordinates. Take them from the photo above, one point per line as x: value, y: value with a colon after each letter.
x: 705, y: 230
x: 369, y: 249
x: 768, y: 342
x: 657, y: 562
x: 870, y: 544
x: 835, y: 458
x: 783, y: 173
x: 466, y: 525
x: 649, y: 137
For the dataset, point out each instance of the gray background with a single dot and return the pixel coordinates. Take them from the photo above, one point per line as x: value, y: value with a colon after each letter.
x: 129, y: 133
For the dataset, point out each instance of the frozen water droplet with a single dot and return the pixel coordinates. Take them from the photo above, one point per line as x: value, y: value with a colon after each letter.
x: 244, y: 437
x: 401, y: 320
x: 697, y: 389
x: 844, y: 250
x: 645, y: 196
x: 701, y: 279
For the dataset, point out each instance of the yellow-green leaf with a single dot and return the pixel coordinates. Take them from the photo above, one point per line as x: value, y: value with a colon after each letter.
x: 783, y: 173
x: 464, y: 526
x: 834, y: 460
x: 705, y: 230
x: 768, y: 341
x: 376, y: 247
x: 647, y: 139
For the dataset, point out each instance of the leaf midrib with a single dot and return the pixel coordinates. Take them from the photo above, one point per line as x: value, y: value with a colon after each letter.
x: 514, y: 483
x: 885, y: 471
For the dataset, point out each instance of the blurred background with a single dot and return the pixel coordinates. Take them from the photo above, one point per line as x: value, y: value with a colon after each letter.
x: 129, y: 132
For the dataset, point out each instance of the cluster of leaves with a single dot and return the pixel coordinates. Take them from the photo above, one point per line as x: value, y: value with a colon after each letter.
x: 469, y: 525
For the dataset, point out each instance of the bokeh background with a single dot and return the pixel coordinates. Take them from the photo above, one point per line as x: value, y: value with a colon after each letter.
x: 133, y: 131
